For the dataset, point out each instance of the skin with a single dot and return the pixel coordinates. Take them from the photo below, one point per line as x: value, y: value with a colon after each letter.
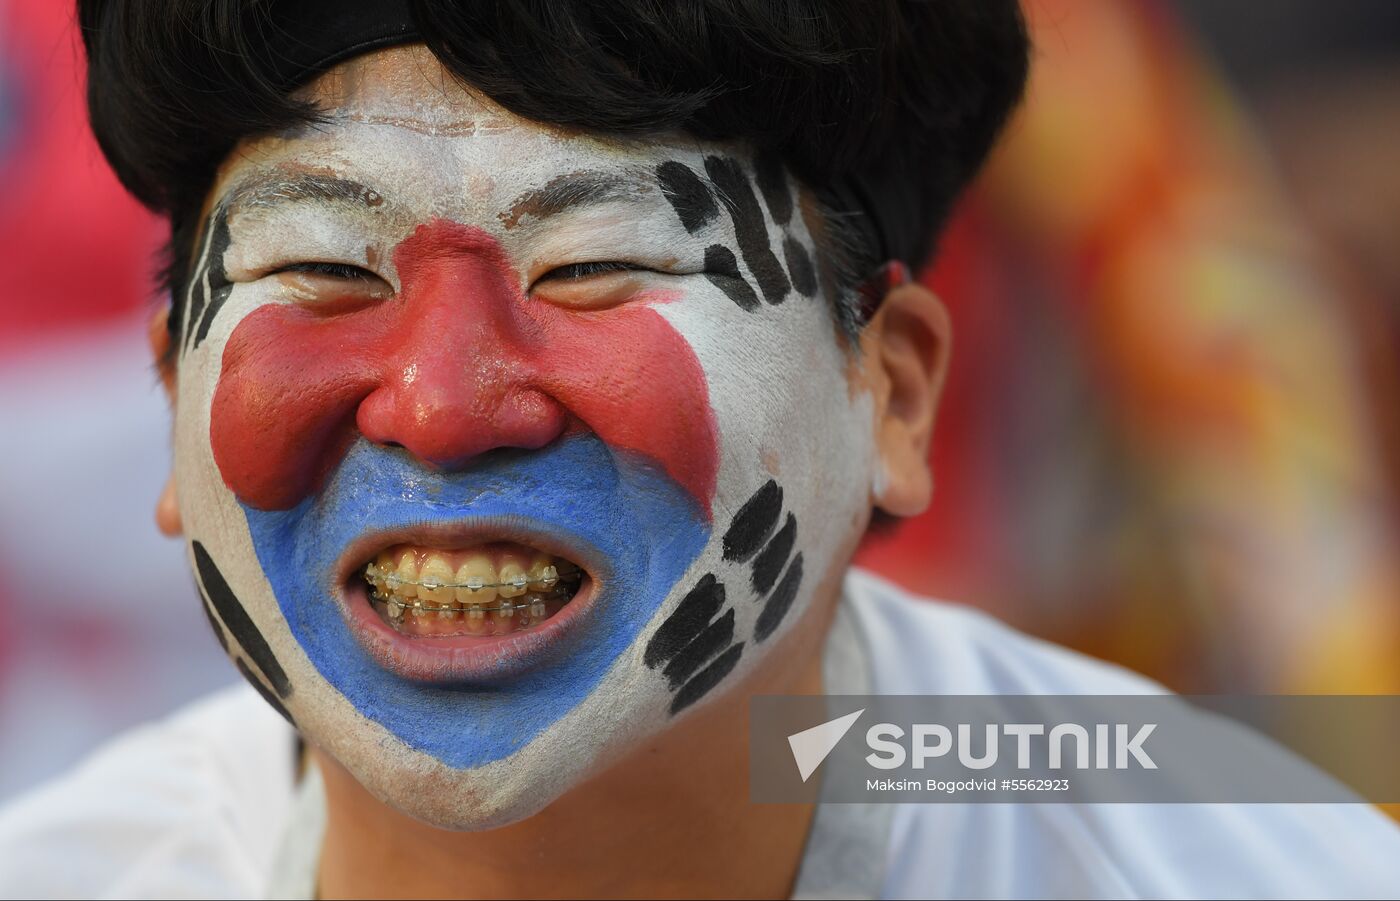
x: 670, y: 796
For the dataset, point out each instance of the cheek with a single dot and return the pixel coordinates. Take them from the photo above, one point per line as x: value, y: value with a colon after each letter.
x: 284, y: 406
x: 458, y: 364
x: 630, y: 377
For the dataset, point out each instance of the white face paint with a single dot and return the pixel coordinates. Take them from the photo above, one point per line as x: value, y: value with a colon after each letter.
x: 440, y: 379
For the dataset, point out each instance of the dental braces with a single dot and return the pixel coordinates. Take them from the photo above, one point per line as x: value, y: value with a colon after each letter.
x: 548, y: 580
x: 532, y: 605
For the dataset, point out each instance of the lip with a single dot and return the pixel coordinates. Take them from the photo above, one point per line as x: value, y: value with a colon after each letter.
x: 466, y: 659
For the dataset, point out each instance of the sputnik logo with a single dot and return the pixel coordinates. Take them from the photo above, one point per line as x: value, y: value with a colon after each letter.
x: 811, y: 746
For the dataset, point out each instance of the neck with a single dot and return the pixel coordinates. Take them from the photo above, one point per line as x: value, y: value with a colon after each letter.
x: 671, y: 819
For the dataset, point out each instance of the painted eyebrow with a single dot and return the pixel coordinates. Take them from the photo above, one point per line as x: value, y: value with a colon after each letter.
x: 264, y: 192
x: 572, y: 191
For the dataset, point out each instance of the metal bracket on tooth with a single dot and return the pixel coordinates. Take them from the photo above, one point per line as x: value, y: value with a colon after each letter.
x: 550, y: 579
x: 506, y: 606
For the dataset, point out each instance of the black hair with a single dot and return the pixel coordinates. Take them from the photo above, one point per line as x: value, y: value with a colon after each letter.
x: 894, y: 103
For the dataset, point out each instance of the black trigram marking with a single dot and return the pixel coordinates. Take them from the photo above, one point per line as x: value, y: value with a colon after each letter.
x: 799, y: 264
x: 722, y: 270
x: 780, y: 601
x: 717, y: 636
x: 753, y: 523
x: 690, y: 618
x: 707, y: 679
x: 770, y: 561
x: 210, y: 286
x: 694, y: 647
x: 261, y: 689
x: 240, y: 626
x: 768, y: 170
x: 750, y: 228
x: 689, y: 195
x: 696, y: 203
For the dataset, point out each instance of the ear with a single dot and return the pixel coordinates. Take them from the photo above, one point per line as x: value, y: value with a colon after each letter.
x: 158, y: 334
x: 905, y: 349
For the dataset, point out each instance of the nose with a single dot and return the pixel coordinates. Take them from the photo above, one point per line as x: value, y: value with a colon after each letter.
x: 458, y: 375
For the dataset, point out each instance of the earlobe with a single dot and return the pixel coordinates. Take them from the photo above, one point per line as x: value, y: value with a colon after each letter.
x: 907, y: 347
x: 168, y: 511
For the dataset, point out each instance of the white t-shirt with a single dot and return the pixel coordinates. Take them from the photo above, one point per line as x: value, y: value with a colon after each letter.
x: 196, y: 806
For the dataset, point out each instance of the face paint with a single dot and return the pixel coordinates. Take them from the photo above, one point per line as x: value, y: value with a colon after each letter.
x: 430, y: 331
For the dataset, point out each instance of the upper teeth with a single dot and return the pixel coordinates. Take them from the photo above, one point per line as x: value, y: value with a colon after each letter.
x: 476, y: 578
x: 543, y: 580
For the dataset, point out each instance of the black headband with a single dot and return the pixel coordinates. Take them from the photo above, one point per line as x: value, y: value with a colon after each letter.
x: 310, y: 36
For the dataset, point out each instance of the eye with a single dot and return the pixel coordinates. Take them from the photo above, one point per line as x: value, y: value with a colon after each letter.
x: 331, y: 270
x: 331, y: 286
x: 594, y: 285
x: 584, y: 270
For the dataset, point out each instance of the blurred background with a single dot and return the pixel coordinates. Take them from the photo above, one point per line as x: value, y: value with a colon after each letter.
x: 1172, y: 432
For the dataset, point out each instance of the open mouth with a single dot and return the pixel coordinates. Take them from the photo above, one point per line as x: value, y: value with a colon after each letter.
x: 483, y: 590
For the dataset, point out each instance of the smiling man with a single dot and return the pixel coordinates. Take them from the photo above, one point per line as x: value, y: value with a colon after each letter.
x: 536, y: 370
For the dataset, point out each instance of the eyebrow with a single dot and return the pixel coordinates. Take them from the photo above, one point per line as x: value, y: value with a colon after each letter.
x: 572, y: 191
x: 263, y: 192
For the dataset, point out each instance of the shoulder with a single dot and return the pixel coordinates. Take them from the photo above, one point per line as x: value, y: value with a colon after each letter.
x: 923, y: 646
x: 188, y: 805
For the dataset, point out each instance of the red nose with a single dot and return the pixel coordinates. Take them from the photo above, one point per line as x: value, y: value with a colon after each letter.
x: 460, y: 367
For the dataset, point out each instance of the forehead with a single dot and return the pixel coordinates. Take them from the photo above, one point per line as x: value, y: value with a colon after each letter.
x: 398, y: 123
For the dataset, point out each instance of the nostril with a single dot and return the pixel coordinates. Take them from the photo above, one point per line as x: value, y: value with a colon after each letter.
x: 447, y: 424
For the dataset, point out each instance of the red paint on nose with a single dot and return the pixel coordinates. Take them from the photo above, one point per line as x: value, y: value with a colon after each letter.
x: 461, y: 380
x: 459, y: 363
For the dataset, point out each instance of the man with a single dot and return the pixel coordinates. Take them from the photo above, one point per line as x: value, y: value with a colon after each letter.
x: 536, y: 370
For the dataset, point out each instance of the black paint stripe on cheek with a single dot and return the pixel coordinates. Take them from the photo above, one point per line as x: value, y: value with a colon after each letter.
x: 208, y: 609
x: 239, y: 624
x: 780, y: 601
x: 769, y: 563
x: 750, y: 228
x: 753, y: 523
x: 196, y: 297
x: 690, y: 197
x: 773, y: 183
x: 219, y: 285
x: 707, y: 679
x: 716, y: 637
x: 799, y: 265
x: 692, y: 614
x: 722, y: 269
x: 267, y: 696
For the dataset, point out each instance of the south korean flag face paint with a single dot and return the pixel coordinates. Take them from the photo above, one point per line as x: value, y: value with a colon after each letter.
x: 498, y: 448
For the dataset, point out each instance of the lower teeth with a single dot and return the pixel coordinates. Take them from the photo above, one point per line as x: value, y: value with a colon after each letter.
x: 506, y: 615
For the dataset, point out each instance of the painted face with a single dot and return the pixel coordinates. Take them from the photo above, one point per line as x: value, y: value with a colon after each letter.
x: 500, y: 448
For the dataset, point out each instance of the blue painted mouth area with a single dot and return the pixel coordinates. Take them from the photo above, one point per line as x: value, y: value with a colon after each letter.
x: 647, y: 527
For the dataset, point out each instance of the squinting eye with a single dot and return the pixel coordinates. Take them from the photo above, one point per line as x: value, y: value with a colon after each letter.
x: 593, y: 285
x: 331, y: 287
x: 584, y: 270
x: 333, y: 270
